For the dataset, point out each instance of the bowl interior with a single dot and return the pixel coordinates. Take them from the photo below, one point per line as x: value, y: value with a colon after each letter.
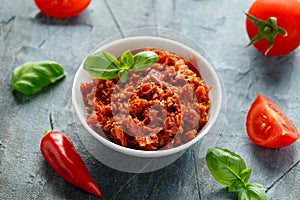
x: 117, y: 47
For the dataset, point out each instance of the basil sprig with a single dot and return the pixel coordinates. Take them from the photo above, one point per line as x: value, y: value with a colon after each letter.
x: 32, y: 77
x: 104, y: 65
x: 229, y: 169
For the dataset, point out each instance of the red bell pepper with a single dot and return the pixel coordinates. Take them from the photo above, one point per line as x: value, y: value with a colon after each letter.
x: 62, y: 156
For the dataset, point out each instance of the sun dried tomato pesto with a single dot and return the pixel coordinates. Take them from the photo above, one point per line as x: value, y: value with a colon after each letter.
x: 159, y: 108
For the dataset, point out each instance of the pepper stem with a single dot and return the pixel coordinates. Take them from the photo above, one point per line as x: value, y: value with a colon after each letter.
x: 266, y: 30
x: 47, y: 131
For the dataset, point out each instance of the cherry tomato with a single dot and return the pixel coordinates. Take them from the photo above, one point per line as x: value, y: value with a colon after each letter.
x: 287, y: 17
x: 268, y: 126
x: 62, y: 8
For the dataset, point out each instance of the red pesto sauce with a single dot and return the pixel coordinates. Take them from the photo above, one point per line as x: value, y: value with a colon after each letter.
x: 161, y: 107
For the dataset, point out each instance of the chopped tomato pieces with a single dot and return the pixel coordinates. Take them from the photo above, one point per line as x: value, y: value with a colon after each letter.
x: 268, y: 126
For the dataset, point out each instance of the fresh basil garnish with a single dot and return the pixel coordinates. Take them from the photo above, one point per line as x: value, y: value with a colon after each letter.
x: 32, y: 77
x: 124, y: 75
x: 229, y: 169
x: 143, y: 59
x: 104, y: 65
x: 126, y: 60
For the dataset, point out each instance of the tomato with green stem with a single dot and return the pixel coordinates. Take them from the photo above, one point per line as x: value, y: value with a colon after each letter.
x: 268, y: 126
x: 62, y: 8
x: 274, y: 26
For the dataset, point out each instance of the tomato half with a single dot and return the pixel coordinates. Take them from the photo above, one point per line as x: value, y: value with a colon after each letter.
x: 62, y: 8
x: 268, y: 126
x: 287, y: 13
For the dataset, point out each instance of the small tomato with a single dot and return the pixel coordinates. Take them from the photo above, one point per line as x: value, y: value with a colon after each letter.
x: 274, y: 26
x: 62, y: 8
x: 268, y: 126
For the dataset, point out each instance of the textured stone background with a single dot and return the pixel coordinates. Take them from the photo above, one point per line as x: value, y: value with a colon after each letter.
x: 218, y: 25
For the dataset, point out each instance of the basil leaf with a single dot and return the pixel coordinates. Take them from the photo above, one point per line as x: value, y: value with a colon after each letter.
x: 143, y: 60
x: 32, y: 77
x: 236, y: 185
x: 102, y: 65
x: 253, y: 191
x: 124, y: 75
x: 245, y: 175
x: 105, y: 66
x: 225, y: 166
x: 240, y: 183
x: 229, y: 169
x: 126, y: 60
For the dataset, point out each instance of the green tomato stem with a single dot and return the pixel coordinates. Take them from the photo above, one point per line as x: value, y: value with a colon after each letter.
x: 266, y: 30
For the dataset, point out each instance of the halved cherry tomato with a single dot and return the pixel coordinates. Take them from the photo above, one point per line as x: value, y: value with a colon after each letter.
x: 268, y: 126
x: 284, y: 14
x: 62, y: 8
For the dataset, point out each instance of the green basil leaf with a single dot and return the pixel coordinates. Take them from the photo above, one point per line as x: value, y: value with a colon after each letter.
x: 102, y: 65
x: 124, y: 75
x: 245, y: 175
x: 31, y: 77
x: 253, y: 191
x: 126, y: 60
x: 236, y: 185
x: 225, y: 165
x: 105, y: 66
x: 143, y: 60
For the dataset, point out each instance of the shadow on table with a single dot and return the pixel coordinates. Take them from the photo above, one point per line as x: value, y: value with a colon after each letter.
x: 276, y: 163
x: 276, y: 159
x: 176, y: 181
x: 71, y: 21
x: 273, y: 73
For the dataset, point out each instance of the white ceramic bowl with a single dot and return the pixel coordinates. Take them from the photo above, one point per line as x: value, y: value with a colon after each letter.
x: 131, y: 160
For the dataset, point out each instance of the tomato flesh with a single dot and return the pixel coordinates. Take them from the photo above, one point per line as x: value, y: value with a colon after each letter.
x: 268, y: 126
x: 287, y: 13
x: 62, y: 8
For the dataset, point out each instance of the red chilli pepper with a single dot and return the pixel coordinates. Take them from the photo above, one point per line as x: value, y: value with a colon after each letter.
x: 60, y: 153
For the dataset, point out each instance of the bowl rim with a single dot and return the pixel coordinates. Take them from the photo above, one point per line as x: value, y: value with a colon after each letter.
x: 158, y: 153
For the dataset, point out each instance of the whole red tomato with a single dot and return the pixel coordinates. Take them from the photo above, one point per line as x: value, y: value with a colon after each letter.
x: 62, y: 8
x: 268, y: 126
x: 285, y: 15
